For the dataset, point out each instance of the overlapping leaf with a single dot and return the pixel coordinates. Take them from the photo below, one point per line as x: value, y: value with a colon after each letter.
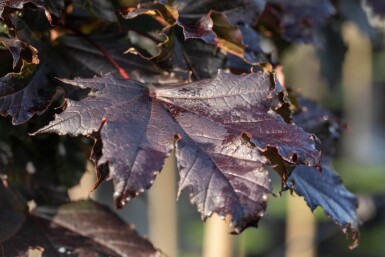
x: 14, y: 46
x: 226, y: 129
x: 24, y: 94
x: 220, y: 21
x: 167, y: 14
x: 83, y: 228
x: 215, y: 29
x: 18, y: 4
x: 315, y: 119
x: 204, y: 22
x: 324, y: 189
x: 30, y: 91
x: 41, y: 173
x: 20, y: 50
x: 222, y: 127
x: 201, y: 59
x: 250, y: 9
x: 253, y: 53
x: 100, y: 9
x: 298, y: 21
x: 79, y: 57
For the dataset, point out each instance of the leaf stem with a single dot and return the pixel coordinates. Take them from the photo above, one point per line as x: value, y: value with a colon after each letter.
x: 121, y: 71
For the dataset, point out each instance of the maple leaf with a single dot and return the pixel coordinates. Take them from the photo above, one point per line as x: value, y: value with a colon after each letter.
x: 222, y: 127
x: 213, y: 27
x: 324, y: 189
x: 83, y: 228
x: 30, y: 91
x: 19, y: 4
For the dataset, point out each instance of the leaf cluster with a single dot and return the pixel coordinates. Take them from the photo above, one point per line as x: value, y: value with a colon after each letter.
x: 141, y: 78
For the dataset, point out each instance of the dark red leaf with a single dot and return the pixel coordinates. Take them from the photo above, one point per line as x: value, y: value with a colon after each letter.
x: 225, y: 174
x: 167, y: 13
x: 299, y: 20
x: 245, y: 105
x: 203, y: 60
x: 223, y: 127
x: 100, y: 9
x: 16, y: 46
x: 19, y: 4
x: 125, y: 110
x: 43, y: 174
x: 327, y: 191
x: 324, y: 189
x: 201, y: 28
x: 250, y: 9
x: 314, y: 119
x: 79, y: 57
x: 253, y: 54
x: 244, y: 11
x: 215, y: 29
x: 24, y: 94
x: 83, y: 228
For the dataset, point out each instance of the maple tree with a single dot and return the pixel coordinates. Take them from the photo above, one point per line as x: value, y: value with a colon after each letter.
x: 142, y: 78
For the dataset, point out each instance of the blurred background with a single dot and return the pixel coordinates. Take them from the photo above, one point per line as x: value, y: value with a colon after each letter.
x: 289, y: 228
x: 346, y: 74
